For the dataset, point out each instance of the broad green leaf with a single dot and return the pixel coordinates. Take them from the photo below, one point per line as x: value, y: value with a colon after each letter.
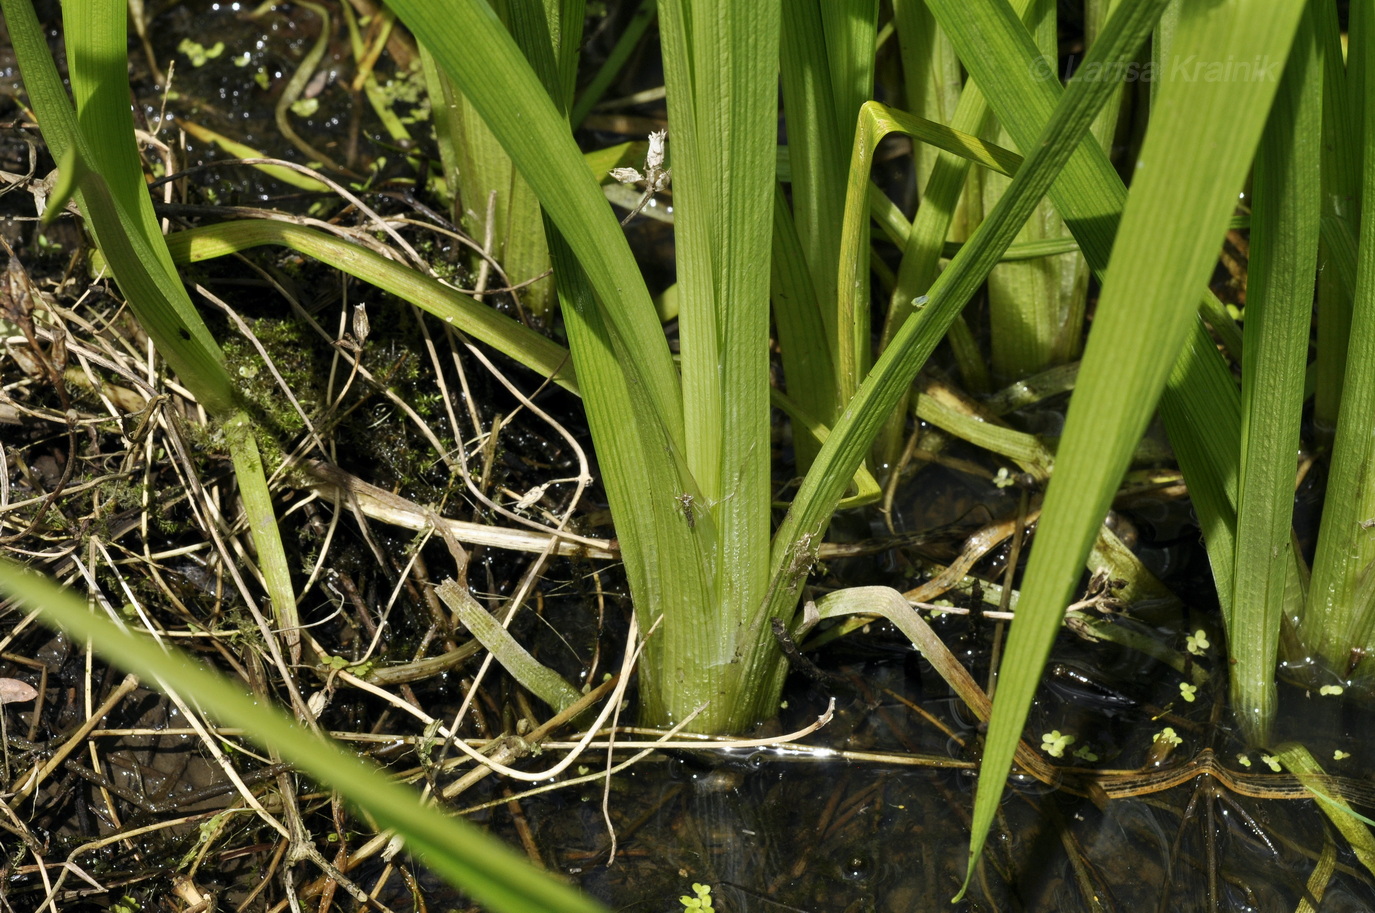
x: 1035, y: 309
x: 1341, y: 200
x: 664, y: 541
x: 721, y: 72
x: 827, y: 73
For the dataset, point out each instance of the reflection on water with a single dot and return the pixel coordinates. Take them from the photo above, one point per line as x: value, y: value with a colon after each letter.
x: 773, y: 830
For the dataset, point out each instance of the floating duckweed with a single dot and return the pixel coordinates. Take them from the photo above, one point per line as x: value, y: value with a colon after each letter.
x: 198, y: 53
x: 701, y: 902
x: 1271, y: 762
x: 1340, y: 755
x: 1169, y: 736
x: 1244, y: 760
x: 1331, y: 690
x: 1198, y: 643
x: 1055, y: 742
x: 1085, y: 753
x: 126, y: 904
x: 1188, y: 692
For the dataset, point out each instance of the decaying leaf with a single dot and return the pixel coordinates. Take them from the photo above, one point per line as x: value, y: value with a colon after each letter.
x: 13, y: 691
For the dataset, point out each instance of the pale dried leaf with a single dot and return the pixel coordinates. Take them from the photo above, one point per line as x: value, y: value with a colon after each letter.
x: 13, y: 691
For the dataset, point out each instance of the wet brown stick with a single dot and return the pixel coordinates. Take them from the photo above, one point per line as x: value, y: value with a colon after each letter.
x: 30, y: 781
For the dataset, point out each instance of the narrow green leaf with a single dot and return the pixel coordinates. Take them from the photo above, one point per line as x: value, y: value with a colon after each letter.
x: 541, y: 681
x: 261, y: 521
x: 1339, y: 249
x: 1339, y: 617
x: 885, y: 385
x: 445, y: 105
x: 467, y: 857
x: 1341, y: 203
x: 121, y: 221
x: 515, y: 106
x: 502, y: 333
x: 932, y: 80
x: 611, y: 67
x: 1202, y: 135
x: 242, y: 150
x: 943, y: 213
x: 1202, y: 404
x: 99, y: 156
x: 805, y: 348
x: 818, y: 143
x: 1354, y: 827
x: 96, y: 38
x: 1026, y: 450
x: 1279, y: 307
x: 157, y: 297
x: 867, y: 489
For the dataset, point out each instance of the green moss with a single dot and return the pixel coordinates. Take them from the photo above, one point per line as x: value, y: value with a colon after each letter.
x: 368, y: 429
x: 300, y: 360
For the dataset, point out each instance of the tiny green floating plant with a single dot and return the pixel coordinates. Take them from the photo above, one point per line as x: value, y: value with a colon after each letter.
x: 700, y: 899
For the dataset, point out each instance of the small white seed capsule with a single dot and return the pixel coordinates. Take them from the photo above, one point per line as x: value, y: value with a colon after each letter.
x: 360, y: 322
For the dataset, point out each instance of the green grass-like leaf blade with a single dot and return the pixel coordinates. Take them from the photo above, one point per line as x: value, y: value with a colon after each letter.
x: 1194, y: 159
x: 998, y: 50
x: 1279, y: 306
x: 468, y: 858
x: 502, y: 333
